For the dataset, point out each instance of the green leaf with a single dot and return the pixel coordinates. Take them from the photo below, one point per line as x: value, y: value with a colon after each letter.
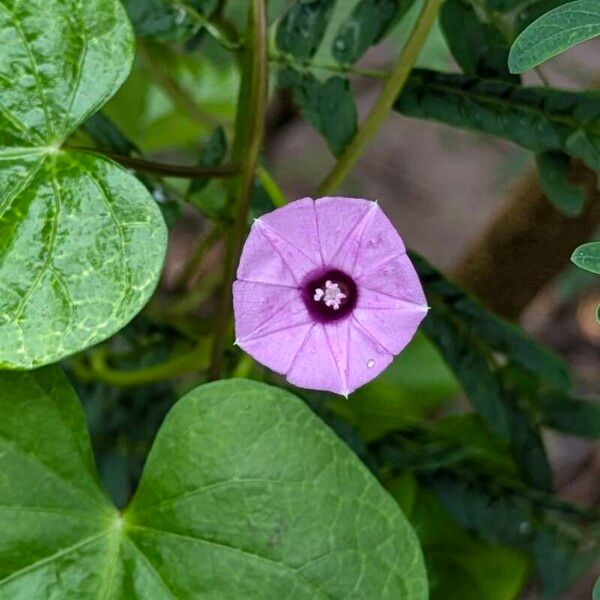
x: 553, y: 33
x: 540, y: 119
x: 587, y: 257
x: 554, y: 168
x: 596, y: 592
x: 301, y: 30
x: 500, y: 515
x: 107, y: 135
x: 215, y: 516
x: 571, y: 415
x: 81, y: 240
x: 460, y: 566
x: 479, y: 48
x: 367, y: 25
x: 213, y: 154
x: 416, y: 383
x: 328, y: 106
x: 475, y: 344
x: 166, y: 19
x: 534, y: 11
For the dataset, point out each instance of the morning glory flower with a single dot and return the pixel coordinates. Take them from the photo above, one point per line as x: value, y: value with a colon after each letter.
x: 325, y: 293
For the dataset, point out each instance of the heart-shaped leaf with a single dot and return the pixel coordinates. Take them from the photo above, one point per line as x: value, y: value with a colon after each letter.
x: 245, y: 494
x: 81, y: 240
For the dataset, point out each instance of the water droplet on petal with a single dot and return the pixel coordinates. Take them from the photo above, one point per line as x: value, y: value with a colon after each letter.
x: 370, y: 363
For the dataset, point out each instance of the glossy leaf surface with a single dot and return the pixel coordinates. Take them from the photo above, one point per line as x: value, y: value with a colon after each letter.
x: 81, y: 241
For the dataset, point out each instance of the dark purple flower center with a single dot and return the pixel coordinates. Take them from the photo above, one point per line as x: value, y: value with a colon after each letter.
x: 329, y: 295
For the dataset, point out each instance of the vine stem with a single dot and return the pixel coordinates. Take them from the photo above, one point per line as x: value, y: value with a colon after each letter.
x: 391, y: 90
x: 159, y: 168
x: 249, y: 132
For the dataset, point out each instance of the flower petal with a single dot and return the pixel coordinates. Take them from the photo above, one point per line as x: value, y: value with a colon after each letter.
x: 260, y: 262
x: 367, y: 357
x: 378, y: 244
x: 297, y: 223
x: 314, y: 367
x: 277, y: 350
x: 257, y: 304
x: 341, y: 222
x: 296, y: 260
x: 397, y: 278
x: 392, y: 328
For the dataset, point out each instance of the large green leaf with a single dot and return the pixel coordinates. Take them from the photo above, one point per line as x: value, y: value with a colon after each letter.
x: 245, y: 494
x: 81, y: 241
x: 540, y: 119
x: 553, y: 33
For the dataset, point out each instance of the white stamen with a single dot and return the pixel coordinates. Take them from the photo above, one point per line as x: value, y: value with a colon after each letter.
x: 332, y: 295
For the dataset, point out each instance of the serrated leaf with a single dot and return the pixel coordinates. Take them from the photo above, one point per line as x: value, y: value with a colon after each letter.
x: 554, y: 169
x: 302, y: 27
x: 81, y: 241
x: 214, y: 517
x: 328, y: 106
x: 479, y: 48
x: 553, y: 33
x: 587, y: 257
x: 539, y: 119
x: 368, y: 23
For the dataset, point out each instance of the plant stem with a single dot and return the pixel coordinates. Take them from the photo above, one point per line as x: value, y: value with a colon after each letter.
x: 272, y: 188
x: 99, y: 370
x: 189, y: 270
x: 331, y: 68
x: 392, y: 88
x: 212, y: 28
x: 165, y: 79
x: 249, y: 131
x: 164, y: 169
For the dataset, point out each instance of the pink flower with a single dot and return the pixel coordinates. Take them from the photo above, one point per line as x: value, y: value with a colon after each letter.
x: 326, y: 294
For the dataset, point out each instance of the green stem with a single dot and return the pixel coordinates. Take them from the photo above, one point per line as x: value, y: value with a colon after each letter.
x: 392, y: 88
x: 249, y: 131
x: 330, y: 68
x: 212, y: 28
x: 191, y: 266
x: 155, y: 67
x: 100, y: 370
x: 272, y: 188
x: 163, y: 169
